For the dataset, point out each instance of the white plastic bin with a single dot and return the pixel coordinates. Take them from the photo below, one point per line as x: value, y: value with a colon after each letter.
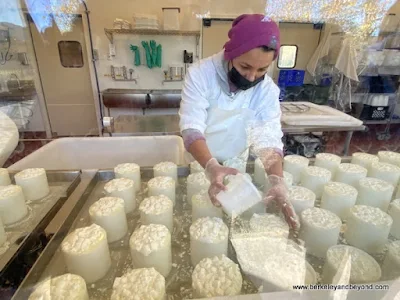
x: 8, y: 137
x: 104, y: 153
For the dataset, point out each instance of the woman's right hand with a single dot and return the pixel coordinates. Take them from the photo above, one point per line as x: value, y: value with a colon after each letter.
x: 216, y: 174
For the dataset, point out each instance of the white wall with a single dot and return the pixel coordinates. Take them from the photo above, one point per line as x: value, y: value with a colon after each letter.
x: 103, y: 13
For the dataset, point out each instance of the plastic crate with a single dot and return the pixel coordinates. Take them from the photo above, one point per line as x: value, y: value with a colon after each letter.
x: 374, y: 112
x: 291, y: 78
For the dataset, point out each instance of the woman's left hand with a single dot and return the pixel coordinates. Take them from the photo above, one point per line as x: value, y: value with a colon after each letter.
x: 277, y: 191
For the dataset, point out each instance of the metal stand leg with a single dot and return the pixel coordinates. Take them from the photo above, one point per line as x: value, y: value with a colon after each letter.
x: 347, y: 143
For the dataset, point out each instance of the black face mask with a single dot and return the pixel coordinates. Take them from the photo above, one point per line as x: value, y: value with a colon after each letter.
x: 241, y: 82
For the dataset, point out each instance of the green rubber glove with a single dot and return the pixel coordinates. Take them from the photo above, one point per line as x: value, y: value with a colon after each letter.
x: 159, y: 56
x: 153, y: 46
x: 146, y: 47
x: 135, y: 50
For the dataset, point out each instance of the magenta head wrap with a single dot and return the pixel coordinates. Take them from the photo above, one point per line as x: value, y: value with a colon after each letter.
x: 249, y: 32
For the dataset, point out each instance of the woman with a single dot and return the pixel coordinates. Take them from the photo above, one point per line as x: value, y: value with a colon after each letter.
x: 229, y: 104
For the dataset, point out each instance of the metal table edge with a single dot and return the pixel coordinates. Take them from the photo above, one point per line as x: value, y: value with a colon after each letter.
x: 79, y: 195
x: 4, y: 261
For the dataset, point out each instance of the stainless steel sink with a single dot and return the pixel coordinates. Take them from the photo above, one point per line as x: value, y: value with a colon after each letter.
x: 140, y: 91
x: 125, y: 91
x: 141, y: 98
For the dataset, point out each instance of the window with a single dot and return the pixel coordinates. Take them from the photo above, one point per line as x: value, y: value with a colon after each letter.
x: 287, y: 57
x: 70, y: 54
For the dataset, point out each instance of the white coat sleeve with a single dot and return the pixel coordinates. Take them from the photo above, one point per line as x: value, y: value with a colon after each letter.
x: 194, y: 103
x: 266, y: 130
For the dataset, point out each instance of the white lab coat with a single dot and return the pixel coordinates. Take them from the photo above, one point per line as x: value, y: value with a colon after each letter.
x: 206, y: 100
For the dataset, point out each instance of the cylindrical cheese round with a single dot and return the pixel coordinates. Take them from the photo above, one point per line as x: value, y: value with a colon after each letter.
x: 162, y: 185
x: 195, y: 167
x: 375, y: 192
x: 328, y: 161
x: 389, y: 157
x: 391, y: 264
x: 109, y: 213
x: 350, y: 174
x: 130, y: 171
x: 363, y: 267
x: 364, y: 159
x: 195, y: 183
x: 166, y: 168
x: 208, y: 238
x: 339, y: 197
x: 301, y: 198
x: 236, y: 163
x: 4, y: 177
x: 143, y: 283
x: 151, y: 248
x: 394, y: 212
x: 314, y: 179
x: 270, y: 225
x: 86, y: 253
x: 367, y: 228
x: 67, y: 286
x: 3, y: 236
x: 319, y: 230
x: 385, y: 171
x: 216, y: 277
x: 123, y: 188
x: 33, y: 183
x: 157, y: 210
x: 202, y: 207
x: 294, y: 164
x: 12, y: 204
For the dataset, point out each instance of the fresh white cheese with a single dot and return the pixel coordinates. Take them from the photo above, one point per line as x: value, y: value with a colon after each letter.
x: 67, y: 286
x: 33, y: 182
x: 141, y: 284
x: 217, y: 276
x: 364, y: 268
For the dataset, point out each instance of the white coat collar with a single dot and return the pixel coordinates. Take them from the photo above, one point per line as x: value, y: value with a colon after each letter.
x: 221, y: 67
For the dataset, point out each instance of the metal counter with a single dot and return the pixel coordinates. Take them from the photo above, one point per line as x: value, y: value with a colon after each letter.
x: 40, y: 213
x: 178, y: 283
x: 169, y: 125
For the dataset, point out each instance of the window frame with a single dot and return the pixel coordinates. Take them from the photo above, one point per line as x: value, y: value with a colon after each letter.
x: 60, y: 54
x: 295, y: 59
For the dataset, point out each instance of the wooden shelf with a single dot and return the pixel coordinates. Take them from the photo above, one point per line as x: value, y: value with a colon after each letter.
x: 110, y: 32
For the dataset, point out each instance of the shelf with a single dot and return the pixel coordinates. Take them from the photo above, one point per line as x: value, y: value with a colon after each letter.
x: 110, y: 32
x: 377, y: 122
x: 395, y: 70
